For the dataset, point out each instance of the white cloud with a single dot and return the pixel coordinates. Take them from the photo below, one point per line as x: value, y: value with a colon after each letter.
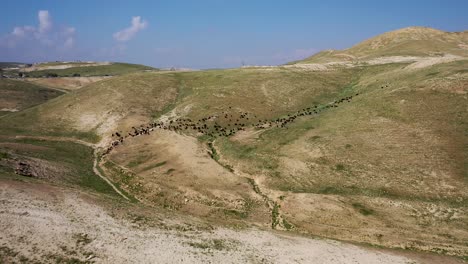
x: 62, y: 37
x: 21, y: 31
x: 38, y: 42
x: 45, y: 23
x: 128, y: 33
x: 69, y: 42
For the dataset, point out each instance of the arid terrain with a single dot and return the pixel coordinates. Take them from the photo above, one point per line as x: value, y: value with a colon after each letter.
x: 348, y: 156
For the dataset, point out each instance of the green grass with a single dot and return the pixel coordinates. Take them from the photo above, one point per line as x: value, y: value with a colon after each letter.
x: 183, y: 91
x: 340, y: 167
x: 75, y: 160
x: 27, y: 122
x: 4, y: 155
x: 21, y: 95
x: 101, y: 70
x: 287, y: 225
x: 349, y: 123
x: 119, y: 178
x: 274, y: 216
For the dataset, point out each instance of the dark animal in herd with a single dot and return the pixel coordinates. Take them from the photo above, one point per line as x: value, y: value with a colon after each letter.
x: 209, y: 125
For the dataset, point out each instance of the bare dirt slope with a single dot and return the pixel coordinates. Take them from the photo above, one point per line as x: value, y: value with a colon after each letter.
x: 47, y: 224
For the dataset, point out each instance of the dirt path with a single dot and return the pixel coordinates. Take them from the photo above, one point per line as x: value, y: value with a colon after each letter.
x: 95, y: 154
x: 277, y: 220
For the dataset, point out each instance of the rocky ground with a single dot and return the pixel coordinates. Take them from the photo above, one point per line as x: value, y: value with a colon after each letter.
x: 46, y: 224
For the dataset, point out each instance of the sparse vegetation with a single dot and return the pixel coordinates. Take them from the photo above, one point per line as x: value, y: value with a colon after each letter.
x: 215, y: 244
x: 274, y: 215
x: 340, y: 167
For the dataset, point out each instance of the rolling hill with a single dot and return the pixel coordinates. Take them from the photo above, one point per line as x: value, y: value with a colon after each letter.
x: 366, y: 145
x: 83, y: 69
x: 16, y: 96
x: 411, y: 41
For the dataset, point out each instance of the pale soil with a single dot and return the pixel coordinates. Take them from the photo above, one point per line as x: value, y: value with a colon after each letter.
x: 457, y: 83
x: 9, y: 110
x: 392, y: 59
x: 416, y: 62
x: 43, y: 223
x: 247, y: 136
x: 66, y: 83
x: 427, y: 62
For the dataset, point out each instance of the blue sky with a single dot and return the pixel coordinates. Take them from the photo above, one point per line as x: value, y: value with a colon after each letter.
x: 206, y: 34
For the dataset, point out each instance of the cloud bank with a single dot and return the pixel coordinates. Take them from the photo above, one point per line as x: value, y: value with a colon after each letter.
x: 128, y: 33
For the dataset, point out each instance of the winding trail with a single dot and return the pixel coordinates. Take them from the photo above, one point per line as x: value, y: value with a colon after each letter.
x: 95, y: 154
x: 277, y: 220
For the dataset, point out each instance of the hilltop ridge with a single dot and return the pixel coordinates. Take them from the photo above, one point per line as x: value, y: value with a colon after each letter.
x: 410, y: 41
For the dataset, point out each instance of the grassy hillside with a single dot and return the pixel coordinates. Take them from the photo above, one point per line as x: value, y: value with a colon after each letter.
x: 84, y: 70
x: 54, y: 162
x: 66, y: 83
x: 97, y: 109
x: 130, y: 100
x: 17, y: 95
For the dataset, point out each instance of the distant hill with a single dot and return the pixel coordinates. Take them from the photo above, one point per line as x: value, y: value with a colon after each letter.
x: 411, y: 41
x: 83, y: 69
x: 11, y: 64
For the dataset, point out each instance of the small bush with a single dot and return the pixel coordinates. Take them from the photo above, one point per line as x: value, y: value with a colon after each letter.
x: 51, y: 75
x: 340, y: 167
x: 4, y: 155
